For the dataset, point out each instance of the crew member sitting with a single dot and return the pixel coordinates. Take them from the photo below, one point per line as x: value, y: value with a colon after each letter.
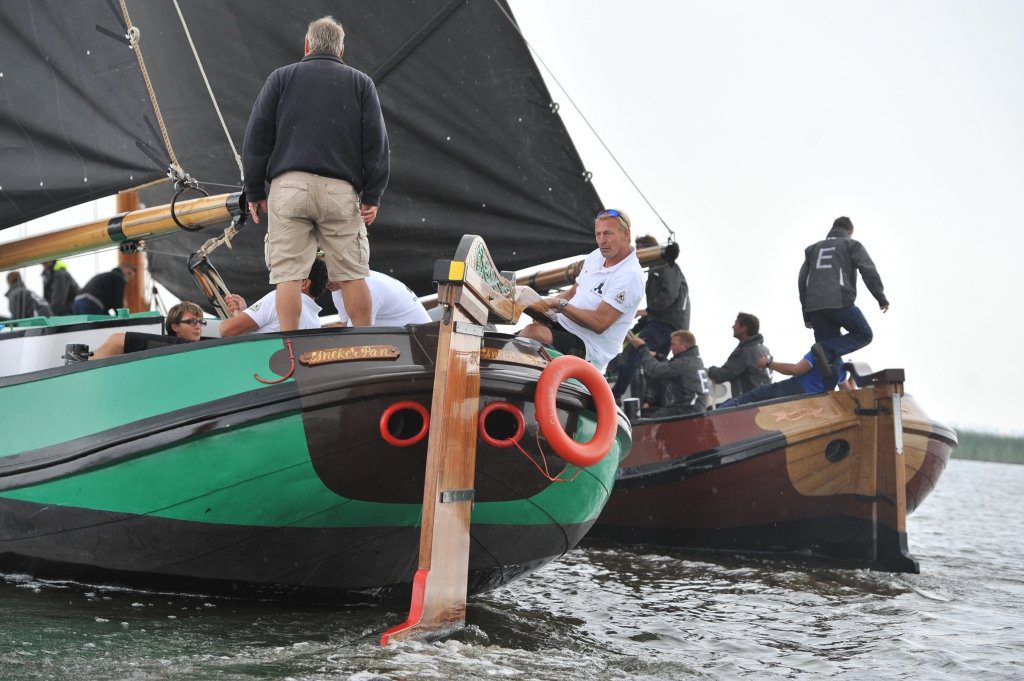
x: 804, y: 381
x: 742, y: 369
x: 184, y: 324
x: 393, y: 303
x: 261, y: 316
x: 683, y: 380
x: 592, y: 317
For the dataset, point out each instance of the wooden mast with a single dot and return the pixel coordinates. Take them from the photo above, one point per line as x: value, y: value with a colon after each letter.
x: 145, y: 223
x: 135, y: 290
x: 472, y: 292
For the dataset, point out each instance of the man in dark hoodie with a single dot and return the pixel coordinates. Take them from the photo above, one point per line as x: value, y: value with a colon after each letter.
x: 668, y: 310
x: 59, y: 287
x: 104, y: 292
x: 742, y: 366
x: 828, y: 289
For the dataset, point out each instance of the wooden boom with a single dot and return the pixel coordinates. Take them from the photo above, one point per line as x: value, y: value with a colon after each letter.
x: 144, y: 223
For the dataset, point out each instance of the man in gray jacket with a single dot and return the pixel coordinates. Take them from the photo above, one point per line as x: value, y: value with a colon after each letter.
x: 828, y: 289
x: 23, y: 302
x: 668, y: 310
x: 683, y: 380
x: 742, y: 368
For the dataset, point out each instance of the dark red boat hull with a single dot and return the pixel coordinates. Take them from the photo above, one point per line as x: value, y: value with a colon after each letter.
x: 797, y: 476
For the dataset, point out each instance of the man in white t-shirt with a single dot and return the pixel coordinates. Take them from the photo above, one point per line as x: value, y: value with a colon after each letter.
x: 594, y: 315
x: 394, y: 304
x: 261, y: 316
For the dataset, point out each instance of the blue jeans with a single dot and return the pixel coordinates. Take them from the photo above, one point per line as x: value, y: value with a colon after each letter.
x: 827, y: 325
x: 770, y: 391
x: 657, y: 335
x: 86, y: 306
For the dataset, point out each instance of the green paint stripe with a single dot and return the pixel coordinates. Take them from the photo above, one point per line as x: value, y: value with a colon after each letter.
x: 69, y: 406
x: 260, y: 475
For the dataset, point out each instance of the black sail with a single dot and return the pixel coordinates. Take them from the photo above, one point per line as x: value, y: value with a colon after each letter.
x: 476, y: 143
x: 476, y: 146
x: 76, y: 122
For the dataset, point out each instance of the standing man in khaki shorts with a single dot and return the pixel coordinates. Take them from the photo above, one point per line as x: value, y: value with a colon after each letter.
x: 317, y: 134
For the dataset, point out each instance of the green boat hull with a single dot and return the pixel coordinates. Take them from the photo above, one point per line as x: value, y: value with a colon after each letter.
x: 178, y: 469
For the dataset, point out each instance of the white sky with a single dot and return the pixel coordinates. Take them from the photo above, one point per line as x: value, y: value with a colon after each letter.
x: 750, y: 126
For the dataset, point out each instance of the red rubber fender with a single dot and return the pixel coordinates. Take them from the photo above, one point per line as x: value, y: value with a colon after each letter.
x: 580, y: 454
x: 516, y: 413
x: 396, y: 407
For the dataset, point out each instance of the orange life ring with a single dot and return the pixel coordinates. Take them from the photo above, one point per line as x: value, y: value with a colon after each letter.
x: 580, y: 454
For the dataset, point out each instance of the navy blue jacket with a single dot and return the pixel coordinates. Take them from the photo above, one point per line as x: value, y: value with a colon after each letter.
x: 319, y: 116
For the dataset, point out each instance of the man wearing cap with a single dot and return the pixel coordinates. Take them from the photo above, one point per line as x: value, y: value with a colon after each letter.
x: 594, y: 315
x: 828, y: 289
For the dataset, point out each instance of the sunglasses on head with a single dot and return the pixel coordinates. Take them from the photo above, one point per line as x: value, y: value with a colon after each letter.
x: 609, y: 213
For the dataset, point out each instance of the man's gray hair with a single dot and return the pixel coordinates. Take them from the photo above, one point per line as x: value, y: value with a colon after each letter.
x: 326, y: 36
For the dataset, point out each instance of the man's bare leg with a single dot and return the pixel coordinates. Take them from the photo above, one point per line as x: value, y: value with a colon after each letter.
x: 289, y: 304
x: 358, y: 301
x: 538, y: 332
x: 112, y: 346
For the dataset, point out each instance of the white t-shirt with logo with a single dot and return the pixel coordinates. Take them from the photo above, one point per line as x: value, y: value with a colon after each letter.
x: 622, y: 287
x: 264, y: 313
x: 394, y: 304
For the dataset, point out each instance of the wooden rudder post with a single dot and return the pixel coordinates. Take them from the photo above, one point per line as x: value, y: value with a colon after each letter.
x: 891, y: 551
x: 471, y: 292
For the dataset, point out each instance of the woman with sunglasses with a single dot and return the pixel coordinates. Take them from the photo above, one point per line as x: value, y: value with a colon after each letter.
x: 184, y: 324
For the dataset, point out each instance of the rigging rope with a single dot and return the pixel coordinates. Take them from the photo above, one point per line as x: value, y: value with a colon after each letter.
x: 133, y: 34
x: 671, y: 232
x: 202, y: 71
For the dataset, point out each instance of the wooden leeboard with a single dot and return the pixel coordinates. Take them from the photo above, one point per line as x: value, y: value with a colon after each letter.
x: 439, y: 592
x: 891, y: 549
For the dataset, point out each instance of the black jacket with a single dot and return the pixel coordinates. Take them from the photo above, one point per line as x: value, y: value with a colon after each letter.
x: 828, y: 277
x: 59, y: 289
x: 318, y: 116
x: 683, y: 380
x: 668, y: 296
x: 108, y: 288
x: 741, y: 367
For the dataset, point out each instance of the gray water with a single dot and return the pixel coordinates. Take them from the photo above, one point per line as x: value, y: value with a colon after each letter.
x: 595, y: 614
